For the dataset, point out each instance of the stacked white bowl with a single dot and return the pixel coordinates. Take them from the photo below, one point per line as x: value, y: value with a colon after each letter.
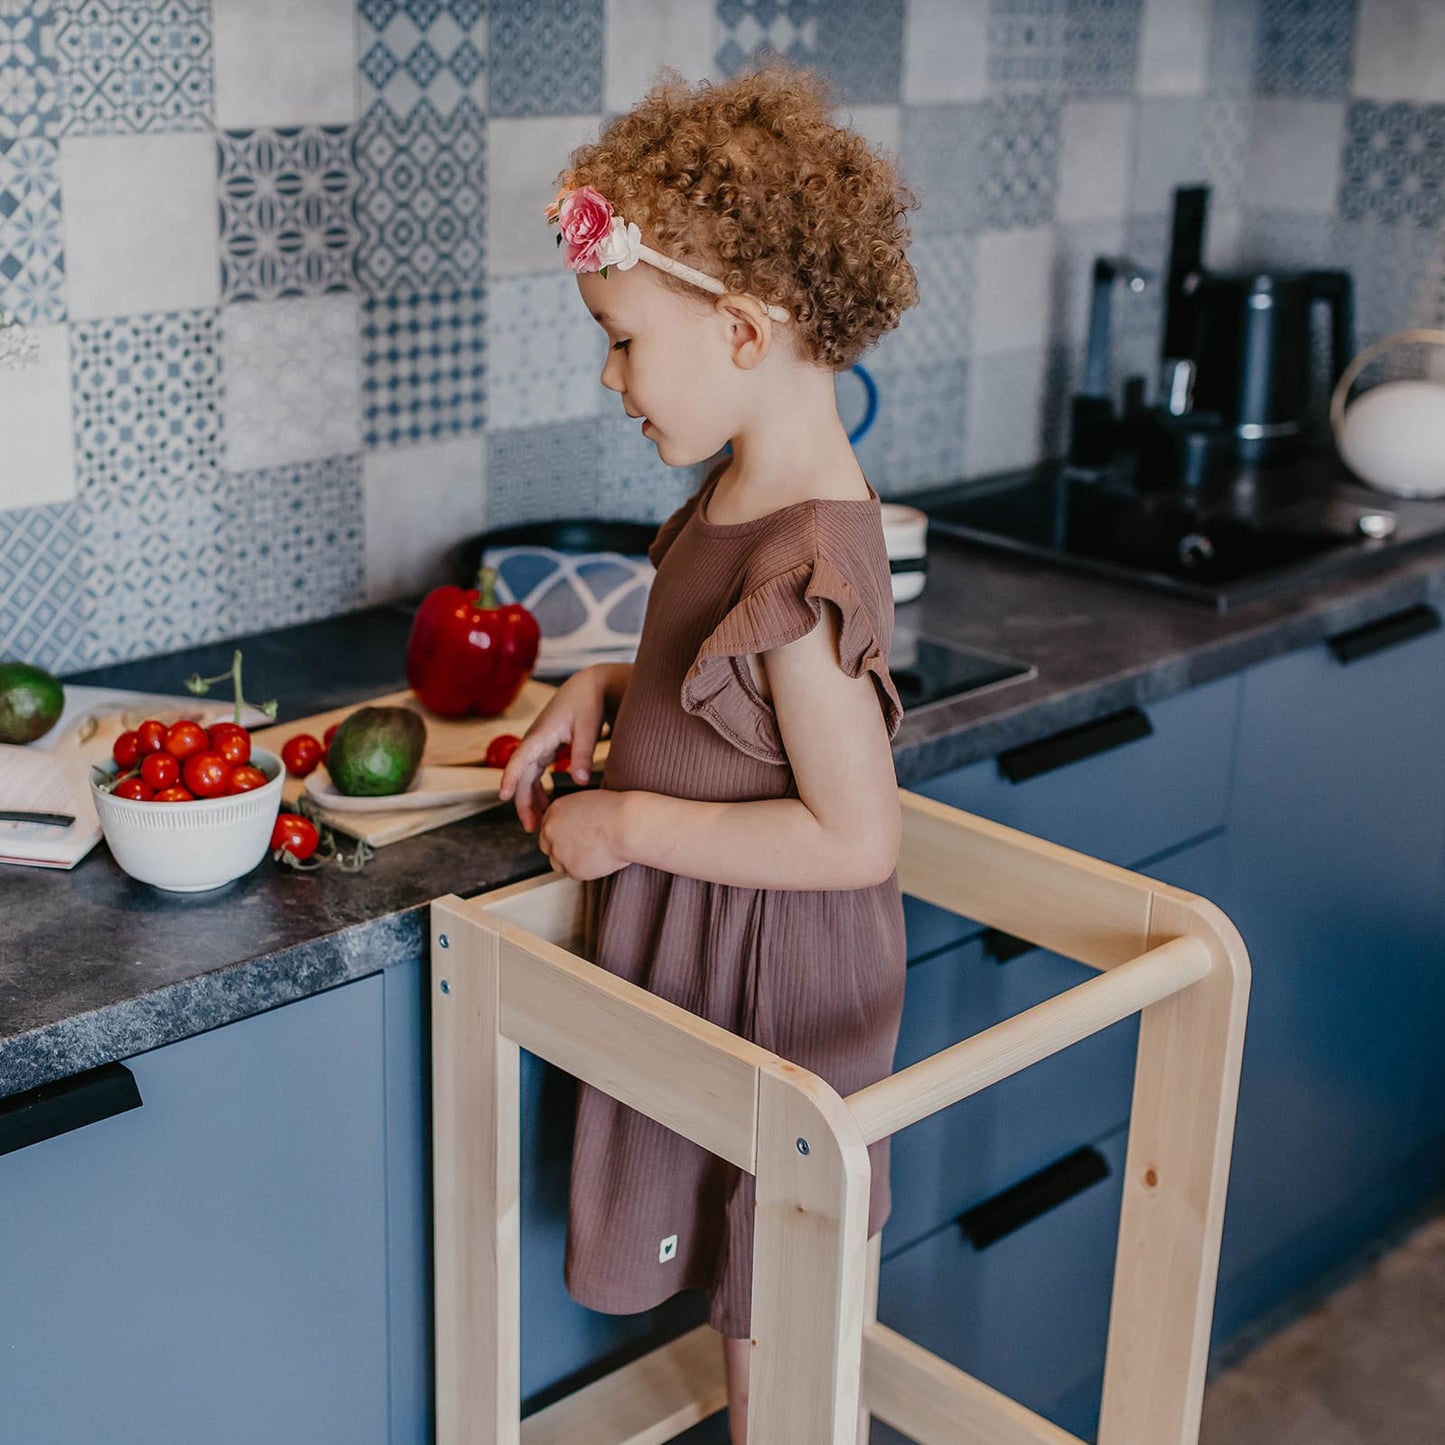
x: 905, y: 530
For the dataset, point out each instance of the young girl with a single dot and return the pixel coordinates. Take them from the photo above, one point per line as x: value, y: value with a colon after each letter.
x: 740, y: 854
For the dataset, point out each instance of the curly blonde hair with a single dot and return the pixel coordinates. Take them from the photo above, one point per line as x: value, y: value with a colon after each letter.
x: 751, y: 181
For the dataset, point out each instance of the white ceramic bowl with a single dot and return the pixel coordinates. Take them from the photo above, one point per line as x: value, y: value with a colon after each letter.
x: 190, y: 847
x: 905, y: 532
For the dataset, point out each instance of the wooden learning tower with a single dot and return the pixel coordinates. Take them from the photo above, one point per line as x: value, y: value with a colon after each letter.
x: 506, y: 975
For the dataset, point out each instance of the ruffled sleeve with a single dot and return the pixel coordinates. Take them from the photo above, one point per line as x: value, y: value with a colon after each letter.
x: 719, y: 686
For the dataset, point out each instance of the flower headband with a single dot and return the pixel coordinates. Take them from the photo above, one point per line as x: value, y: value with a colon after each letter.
x: 597, y: 237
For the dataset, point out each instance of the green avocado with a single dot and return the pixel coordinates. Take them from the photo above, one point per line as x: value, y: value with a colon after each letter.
x: 31, y: 701
x: 376, y: 752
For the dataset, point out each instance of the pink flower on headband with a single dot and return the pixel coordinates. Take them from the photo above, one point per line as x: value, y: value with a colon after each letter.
x: 595, y: 236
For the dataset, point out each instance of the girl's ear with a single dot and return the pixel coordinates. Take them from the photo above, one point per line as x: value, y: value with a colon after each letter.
x: 747, y: 327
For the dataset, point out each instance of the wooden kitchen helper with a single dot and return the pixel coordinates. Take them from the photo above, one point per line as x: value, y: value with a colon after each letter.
x: 505, y: 975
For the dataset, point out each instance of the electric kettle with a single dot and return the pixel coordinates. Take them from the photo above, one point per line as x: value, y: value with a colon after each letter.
x: 1251, y: 352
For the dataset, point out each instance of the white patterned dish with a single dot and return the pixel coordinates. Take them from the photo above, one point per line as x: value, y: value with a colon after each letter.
x: 191, y: 847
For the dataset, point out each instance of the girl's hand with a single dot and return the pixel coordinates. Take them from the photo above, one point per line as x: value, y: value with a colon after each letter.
x: 573, y: 716
x: 581, y: 834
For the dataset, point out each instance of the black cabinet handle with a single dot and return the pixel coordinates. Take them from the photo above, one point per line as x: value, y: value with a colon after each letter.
x: 1030, y: 1198
x: 1073, y: 744
x: 1384, y: 632
x: 1001, y: 946
x: 57, y: 1108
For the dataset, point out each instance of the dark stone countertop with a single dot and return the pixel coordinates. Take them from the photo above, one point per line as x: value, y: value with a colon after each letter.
x: 95, y: 967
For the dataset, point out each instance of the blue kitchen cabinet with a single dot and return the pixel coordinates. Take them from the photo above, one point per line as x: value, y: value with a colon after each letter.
x: 212, y: 1265
x: 1335, y: 876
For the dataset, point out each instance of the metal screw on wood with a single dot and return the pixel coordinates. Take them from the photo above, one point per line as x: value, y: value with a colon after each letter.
x: 802, y: 1146
x: 446, y: 987
x: 444, y: 940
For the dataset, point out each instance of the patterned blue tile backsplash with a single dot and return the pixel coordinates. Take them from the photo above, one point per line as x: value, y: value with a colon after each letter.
x: 370, y: 344
x: 32, y: 258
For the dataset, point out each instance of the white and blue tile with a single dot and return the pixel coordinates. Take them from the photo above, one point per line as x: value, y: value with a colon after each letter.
x: 288, y: 225
x: 1005, y: 410
x: 296, y: 542
x: 633, y: 483
x: 1022, y: 161
x: 126, y: 67
x: 917, y: 437
x: 860, y: 49
x: 42, y: 615
x: 539, y: 473
x: 1026, y: 44
x: 1393, y: 270
x: 153, y: 560
x: 1076, y: 244
x: 1168, y: 151
x: 29, y: 71
x: 423, y: 50
x: 944, y: 154
x: 1225, y: 147
x: 1394, y: 164
x: 421, y: 205
x: 146, y: 393
x: 752, y: 30
x: 292, y: 372
x: 546, y: 59
x: 32, y: 249
x: 1306, y: 47
x: 423, y: 366
x: 1101, y: 46
x: 555, y: 352
x: 1233, y: 46
x: 1139, y: 316
x: 939, y: 328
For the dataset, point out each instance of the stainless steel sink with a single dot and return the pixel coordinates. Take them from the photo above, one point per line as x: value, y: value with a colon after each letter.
x: 1263, y: 531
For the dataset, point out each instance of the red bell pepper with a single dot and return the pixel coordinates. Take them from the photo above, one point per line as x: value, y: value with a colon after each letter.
x: 466, y: 654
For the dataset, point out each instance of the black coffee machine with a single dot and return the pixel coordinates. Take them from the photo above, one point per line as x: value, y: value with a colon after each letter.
x: 1236, y: 352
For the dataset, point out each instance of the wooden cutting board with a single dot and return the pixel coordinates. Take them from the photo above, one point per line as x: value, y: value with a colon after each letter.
x: 450, y: 742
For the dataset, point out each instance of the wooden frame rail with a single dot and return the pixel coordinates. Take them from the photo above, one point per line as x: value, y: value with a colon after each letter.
x: 506, y: 975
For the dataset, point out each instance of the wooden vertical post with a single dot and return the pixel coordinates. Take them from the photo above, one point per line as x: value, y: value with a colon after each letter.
x: 1181, y: 1133
x: 475, y: 1167
x: 809, y: 1254
x: 871, y: 1269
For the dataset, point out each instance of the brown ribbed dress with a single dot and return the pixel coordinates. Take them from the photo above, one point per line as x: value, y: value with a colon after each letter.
x: 815, y: 976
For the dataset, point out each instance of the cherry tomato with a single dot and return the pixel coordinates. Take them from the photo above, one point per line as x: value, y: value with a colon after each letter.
x: 232, y: 741
x: 150, y: 737
x: 160, y: 770
x: 245, y: 778
x: 132, y: 788
x: 563, y: 761
x: 207, y: 775
x: 297, y: 835
x: 186, y: 739
x: 500, y: 749
x: 124, y: 750
x: 177, y: 794
x: 327, y: 736
x: 301, y: 754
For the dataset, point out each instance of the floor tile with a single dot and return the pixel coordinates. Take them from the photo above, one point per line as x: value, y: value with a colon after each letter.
x: 546, y: 59
x: 292, y: 372
x: 542, y: 472
x: 555, y: 352
x: 29, y: 71
x: 1306, y: 47
x: 295, y: 542
x: 42, y: 617
x: 1394, y: 164
x: 424, y: 367
x: 423, y: 50
x: 147, y: 399
x: 287, y: 201
x: 32, y: 253
x: 1101, y: 46
x: 421, y: 202
x: 132, y: 67
x: 153, y: 560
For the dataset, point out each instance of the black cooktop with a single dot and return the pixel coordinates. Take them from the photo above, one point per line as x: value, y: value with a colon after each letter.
x: 924, y: 669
